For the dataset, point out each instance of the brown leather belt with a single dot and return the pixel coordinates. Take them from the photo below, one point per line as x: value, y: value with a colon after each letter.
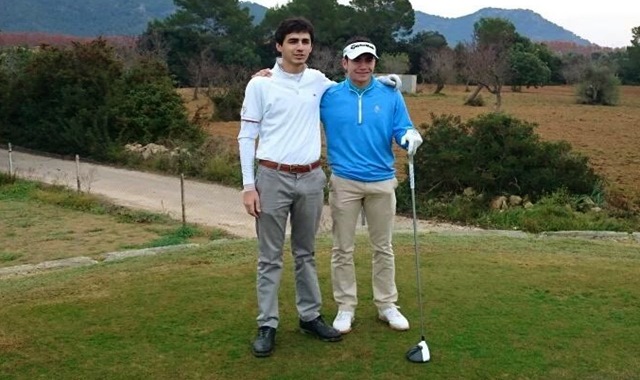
x: 289, y: 168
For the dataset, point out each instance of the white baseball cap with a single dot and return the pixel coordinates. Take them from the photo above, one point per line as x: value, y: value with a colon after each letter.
x: 356, y: 49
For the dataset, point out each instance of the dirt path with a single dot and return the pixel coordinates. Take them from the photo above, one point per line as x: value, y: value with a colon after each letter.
x: 205, y: 203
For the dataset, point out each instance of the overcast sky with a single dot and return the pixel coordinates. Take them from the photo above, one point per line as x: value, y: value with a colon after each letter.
x: 606, y: 23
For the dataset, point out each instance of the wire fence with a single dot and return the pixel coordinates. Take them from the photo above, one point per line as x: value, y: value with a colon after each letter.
x: 189, y: 200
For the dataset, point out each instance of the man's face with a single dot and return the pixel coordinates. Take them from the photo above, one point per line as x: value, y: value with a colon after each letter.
x: 360, y: 69
x: 295, y: 48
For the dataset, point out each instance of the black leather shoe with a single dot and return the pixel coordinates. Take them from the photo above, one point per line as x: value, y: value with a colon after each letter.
x: 321, y: 330
x: 265, y: 342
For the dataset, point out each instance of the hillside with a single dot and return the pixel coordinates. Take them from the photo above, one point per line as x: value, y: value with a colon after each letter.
x: 91, y: 18
x: 527, y: 23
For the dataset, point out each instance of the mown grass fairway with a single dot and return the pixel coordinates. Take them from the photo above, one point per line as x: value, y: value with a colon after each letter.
x: 495, y: 308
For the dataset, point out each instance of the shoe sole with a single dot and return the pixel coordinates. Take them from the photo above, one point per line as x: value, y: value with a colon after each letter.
x: 345, y: 331
x: 308, y: 332
x: 388, y: 324
x: 262, y: 354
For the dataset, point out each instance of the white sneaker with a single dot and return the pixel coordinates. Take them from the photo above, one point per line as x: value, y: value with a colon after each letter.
x: 343, y: 321
x: 396, y: 320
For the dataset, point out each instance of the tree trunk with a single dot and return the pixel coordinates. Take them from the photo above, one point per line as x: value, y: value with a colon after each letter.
x: 498, y: 100
x: 498, y: 97
x: 439, y: 88
x: 471, y: 98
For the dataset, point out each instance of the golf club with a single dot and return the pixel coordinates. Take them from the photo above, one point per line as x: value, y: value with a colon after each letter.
x: 420, y: 352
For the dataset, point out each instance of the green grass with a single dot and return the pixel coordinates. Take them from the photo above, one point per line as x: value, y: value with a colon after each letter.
x: 41, y: 223
x: 494, y: 308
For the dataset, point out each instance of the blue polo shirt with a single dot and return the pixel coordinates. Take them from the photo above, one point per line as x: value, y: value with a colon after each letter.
x: 360, y: 126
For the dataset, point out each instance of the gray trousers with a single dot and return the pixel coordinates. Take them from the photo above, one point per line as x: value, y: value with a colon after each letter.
x: 300, y: 197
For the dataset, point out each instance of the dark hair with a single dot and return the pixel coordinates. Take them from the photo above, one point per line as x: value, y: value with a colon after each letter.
x: 293, y: 25
x: 357, y: 39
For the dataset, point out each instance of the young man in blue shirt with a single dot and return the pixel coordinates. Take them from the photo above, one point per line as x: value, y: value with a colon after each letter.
x: 362, y: 118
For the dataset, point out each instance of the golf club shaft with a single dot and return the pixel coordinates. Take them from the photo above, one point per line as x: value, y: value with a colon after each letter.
x: 412, y: 184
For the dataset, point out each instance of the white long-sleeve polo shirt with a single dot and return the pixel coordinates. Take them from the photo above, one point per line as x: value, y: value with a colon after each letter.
x: 283, y: 112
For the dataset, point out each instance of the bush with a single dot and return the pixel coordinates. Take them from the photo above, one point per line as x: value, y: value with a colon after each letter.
x: 600, y: 86
x: 394, y: 63
x: 82, y: 100
x: 477, y: 101
x: 228, y: 104
x: 555, y: 212
x: 215, y: 160
x: 497, y: 154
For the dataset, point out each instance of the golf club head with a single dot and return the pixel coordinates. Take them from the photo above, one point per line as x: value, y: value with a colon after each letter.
x: 419, y: 353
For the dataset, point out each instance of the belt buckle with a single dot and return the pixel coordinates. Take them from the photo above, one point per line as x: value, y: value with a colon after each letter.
x: 294, y: 168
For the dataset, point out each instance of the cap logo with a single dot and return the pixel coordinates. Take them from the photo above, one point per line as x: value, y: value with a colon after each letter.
x: 355, y: 46
x: 358, y: 48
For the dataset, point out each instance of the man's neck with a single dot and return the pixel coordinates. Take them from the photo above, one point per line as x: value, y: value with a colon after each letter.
x: 289, y: 68
x: 360, y: 85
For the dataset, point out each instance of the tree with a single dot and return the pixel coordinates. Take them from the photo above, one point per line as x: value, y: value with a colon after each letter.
x: 328, y: 61
x: 331, y: 21
x: 574, y: 66
x: 438, y: 66
x: 383, y: 21
x: 527, y: 70
x: 418, y: 46
x: 553, y: 62
x: 488, y: 65
x: 394, y: 63
x: 83, y: 100
x: 221, y: 26
x: 630, y: 66
x: 599, y: 85
x: 460, y: 64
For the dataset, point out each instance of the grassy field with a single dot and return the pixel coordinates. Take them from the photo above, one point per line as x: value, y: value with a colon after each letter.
x: 40, y: 223
x: 607, y: 135
x: 494, y: 308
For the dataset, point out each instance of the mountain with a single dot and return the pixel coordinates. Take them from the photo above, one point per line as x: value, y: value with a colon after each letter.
x: 528, y: 23
x: 91, y: 18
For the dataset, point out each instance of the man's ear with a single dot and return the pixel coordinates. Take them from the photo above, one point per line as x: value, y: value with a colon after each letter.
x: 344, y: 63
x: 278, y: 47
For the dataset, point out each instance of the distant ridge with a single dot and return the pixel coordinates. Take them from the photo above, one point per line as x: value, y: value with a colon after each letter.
x: 92, y: 18
x: 528, y: 23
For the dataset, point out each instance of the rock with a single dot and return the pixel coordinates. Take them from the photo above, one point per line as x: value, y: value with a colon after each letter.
x: 515, y: 200
x: 499, y: 203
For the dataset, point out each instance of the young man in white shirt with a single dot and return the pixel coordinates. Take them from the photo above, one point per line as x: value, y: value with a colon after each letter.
x: 283, y: 112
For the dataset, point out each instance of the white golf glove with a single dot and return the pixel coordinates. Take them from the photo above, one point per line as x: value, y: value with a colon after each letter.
x: 391, y: 80
x: 413, y: 140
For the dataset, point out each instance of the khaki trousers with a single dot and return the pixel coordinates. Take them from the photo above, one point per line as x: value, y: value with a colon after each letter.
x: 378, y: 199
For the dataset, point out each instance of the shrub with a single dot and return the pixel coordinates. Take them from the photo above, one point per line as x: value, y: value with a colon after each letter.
x: 497, y: 154
x: 555, y: 212
x: 82, y: 100
x: 477, y: 101
x: 147, y: 109
x: 228, y: 104
x: 599, y: 85
x: 394, y: 63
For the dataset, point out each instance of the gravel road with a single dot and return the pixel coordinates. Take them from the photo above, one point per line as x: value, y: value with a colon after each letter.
x: 205, y: 203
